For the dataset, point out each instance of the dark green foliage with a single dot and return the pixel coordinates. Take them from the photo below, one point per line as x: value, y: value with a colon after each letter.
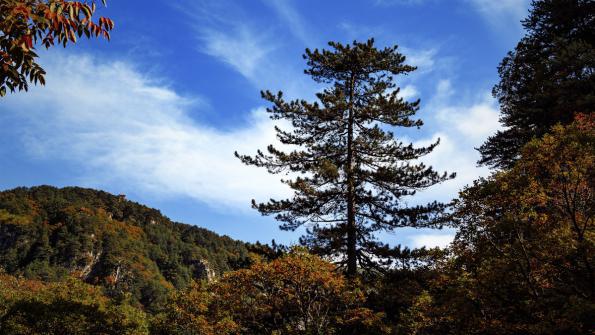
x: 548, y: 78
x: 47, y: 233
x: 395, y: 291
x: 353, y: 172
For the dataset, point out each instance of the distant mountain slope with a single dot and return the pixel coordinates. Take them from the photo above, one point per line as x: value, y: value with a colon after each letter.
x: 48, y: 233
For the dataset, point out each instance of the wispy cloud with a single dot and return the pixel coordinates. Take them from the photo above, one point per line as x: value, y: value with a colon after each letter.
x: 516, y: 8
x: 502, y: 14
x: 423, y: 59
x: 225, y: 33
x: 286, y: 10
x: 131, y: 131
x: 253, y: 49
x: 358, y: 31
x: 240, y: 47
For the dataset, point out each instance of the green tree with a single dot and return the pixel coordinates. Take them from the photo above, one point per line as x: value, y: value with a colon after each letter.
x: 353, y: 172
x: 547, y: 79
x: 23, y: 23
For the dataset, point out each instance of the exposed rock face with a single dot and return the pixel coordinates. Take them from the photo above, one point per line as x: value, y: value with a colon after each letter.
x: 204, y: 270
x: 92, y: 259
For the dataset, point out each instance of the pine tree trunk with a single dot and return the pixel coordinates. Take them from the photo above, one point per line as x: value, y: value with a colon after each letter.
x: 351, y: 228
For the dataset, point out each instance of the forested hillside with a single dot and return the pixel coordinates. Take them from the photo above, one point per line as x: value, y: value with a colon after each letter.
x: 49, y: 233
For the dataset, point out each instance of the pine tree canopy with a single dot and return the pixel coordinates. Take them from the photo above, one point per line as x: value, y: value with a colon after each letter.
x: 547, y: 79
x: 352, y: 173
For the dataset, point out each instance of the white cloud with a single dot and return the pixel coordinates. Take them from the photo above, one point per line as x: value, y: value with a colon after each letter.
x: 476, y: 122
x: 452, y: 155
x: 473, y: 121
x: 501, y: 13
x: 424, y: 59
x: 408, y: 92
x: 430, y: 240
x: 461, y: 127
x: 126, y: 129
x: 501, y: 7
x: 444, y: 90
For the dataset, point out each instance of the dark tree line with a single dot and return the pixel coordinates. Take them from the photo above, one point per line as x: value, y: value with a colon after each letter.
x: 547, y: 79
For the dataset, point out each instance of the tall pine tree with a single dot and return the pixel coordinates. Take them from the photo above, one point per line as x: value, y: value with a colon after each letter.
x: 352, y: 172
x: 547, y: 79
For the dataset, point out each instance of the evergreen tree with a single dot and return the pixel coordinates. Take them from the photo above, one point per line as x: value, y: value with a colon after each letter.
x: 547, y: 79
x: 352, y: 172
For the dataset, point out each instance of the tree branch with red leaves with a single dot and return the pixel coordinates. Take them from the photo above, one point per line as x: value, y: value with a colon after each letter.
x: 25, y: 23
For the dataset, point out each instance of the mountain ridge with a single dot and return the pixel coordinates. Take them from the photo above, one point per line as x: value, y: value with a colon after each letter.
x: 50, y: 233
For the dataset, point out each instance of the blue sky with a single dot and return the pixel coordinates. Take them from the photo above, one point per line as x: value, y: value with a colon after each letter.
x: 157, y: 113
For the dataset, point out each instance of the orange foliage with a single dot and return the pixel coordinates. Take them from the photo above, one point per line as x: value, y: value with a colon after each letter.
x: 295, y: 294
